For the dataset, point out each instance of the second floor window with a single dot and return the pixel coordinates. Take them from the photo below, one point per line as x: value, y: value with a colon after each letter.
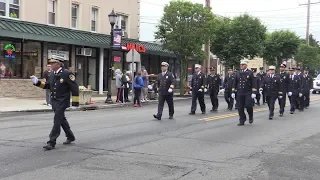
x: 74, y: 15
x: 94, y: 19
x: 52, y: 12
x: 10, y: 8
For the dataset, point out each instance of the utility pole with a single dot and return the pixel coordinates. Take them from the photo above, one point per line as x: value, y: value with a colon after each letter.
x: 206, y: 63
x: 308, y: 19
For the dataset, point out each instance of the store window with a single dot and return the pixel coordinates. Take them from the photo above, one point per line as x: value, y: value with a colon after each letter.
x: 52, y: 11
x: 10, y: 8
x: 154, y: 64
x: 31, y: 61
x: 74, y: 15
x: 10, y: 59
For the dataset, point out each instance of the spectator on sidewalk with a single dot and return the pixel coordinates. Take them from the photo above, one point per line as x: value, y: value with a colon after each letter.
x: 138, y: 85
x: 144, y: 93
x: 119, y: 86
x: 125, y: 82
x: 46, y: 75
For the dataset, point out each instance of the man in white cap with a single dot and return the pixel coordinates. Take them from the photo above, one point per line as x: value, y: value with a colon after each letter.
x: 246, y: 87
x: 60, y: 83
x: 198, y: 88
x: 165, y: 84
x: 271, y: 87
x: 284, y: 82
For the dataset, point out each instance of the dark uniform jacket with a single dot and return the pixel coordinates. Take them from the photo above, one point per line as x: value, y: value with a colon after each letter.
x: 244, y: 83
x: 214, y: 82
x: 271, y: 85
x: 258, y: 81
x: 60, y: 86
x: 198, y: 82
x: 294, y: 85
x: 165, y: 82
x: 228, y: 82
x: 308, y: 83
x: 302, y: 80
x: 284, y: 81
x: 261, y: 75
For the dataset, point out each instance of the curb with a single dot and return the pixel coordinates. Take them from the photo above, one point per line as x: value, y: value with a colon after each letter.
x: 94, y: 107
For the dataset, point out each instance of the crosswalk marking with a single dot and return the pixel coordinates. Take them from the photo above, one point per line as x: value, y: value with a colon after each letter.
x: 223, y: 116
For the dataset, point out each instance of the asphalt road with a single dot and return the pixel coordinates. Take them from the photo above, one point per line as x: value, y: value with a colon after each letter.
x: 128, y: 144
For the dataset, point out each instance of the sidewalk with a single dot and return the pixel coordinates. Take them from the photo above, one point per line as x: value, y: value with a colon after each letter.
x: 38, y: 105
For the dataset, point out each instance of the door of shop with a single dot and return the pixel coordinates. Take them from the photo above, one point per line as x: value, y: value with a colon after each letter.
x: 86, y: 71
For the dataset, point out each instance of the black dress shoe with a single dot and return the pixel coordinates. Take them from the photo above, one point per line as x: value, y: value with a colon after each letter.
x: 68, y: 141
x: 241, y: 124
x: 270, y: 118
x: 204, y: 112
x: 291, y: 112
x: 192, y: 113
x: 157, y: 117
x: 170, y: 117
x: 281, y: 114
x: 48, y: 147
x: 251, y: 120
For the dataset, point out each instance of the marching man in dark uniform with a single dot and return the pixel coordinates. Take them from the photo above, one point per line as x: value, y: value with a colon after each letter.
x: 300, y: 102
x: 294, y: 90
x: 284, y: 81
x: 227, y: 85
x: 246, y: 88
x: 271, y: 86
x: 261, y: 75
x: 307, y: 87
x: 60, y: 83
x: 236, y: 106
x: 214, y: 83
x: 258, y: 81
x: 198, y: 88
x: 165, y: 84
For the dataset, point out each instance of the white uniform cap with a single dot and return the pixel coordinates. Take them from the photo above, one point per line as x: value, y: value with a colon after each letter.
x: 164, y: 64
x: 244, y: 61
x: 272, y: 67
x: 197, y: 66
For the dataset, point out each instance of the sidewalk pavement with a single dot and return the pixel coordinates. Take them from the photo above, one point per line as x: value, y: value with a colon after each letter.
x: 38, y: 105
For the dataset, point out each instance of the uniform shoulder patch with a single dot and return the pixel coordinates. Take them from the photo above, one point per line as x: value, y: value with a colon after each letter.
x: 72, y: 77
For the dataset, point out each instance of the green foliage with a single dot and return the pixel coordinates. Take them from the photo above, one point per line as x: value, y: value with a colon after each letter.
x: 237, y: 38
x: 308, y: 56
x: 280, y: 45
x: 183, y: 29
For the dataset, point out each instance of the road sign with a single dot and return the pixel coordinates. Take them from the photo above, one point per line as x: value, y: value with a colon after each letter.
x: 133, y: 56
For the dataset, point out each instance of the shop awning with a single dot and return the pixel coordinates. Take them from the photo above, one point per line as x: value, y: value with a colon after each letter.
x: 40, y: 32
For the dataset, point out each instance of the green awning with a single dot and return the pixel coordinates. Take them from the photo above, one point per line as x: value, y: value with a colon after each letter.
x: 40, y: 32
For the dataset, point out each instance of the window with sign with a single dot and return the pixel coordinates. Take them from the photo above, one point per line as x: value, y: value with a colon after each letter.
x: 10, y: 8
x: 10, y: 59
x: 74, y: 15
x: 52, y: 11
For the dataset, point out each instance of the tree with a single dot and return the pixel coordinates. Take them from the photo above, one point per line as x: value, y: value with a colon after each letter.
x: 308, y: 56
x: 183, y: 29
x: 237, y: 38
x: 280, y: 45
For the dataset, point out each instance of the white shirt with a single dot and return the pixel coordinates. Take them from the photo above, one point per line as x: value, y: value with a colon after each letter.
x: 163, y: 73
x: 56, y: 72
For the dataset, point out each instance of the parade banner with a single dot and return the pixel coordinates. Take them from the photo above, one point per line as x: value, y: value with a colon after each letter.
x: 117, y: 34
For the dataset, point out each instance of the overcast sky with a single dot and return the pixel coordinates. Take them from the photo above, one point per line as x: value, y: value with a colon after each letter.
x: 275, y: 14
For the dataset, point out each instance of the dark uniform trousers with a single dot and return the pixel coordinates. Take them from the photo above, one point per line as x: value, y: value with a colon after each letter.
x: 214, y: 82
x: 244, y: 84
x: 261, y: 76
x: 165, y: 82
x: 294, y: 87
x: 272, y: 90
x: 284, y: 81
x: 60, y: 85
x: 198, y: 82
x: 228, y: 82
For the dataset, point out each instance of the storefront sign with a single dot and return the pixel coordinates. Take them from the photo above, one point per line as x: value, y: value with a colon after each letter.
x: 117, y: 34
x: 116, y: 59
x: 62, y: 54
x: 9, y: 50
x: 137, y: 47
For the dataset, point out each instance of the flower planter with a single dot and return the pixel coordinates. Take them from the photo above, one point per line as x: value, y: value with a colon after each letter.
x: 85, y: 97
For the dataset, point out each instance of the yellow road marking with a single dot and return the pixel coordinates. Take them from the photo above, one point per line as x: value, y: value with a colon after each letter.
x: 212, y: 118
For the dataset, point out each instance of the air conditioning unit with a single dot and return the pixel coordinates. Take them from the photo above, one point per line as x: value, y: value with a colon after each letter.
x: 84, y: 51
x: 124, y: 34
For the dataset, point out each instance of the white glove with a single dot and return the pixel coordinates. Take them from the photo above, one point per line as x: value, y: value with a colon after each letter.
x: 280, y: 97
x: 289, y: 93
x: 190, y: 92
x: 253, y: 96
x: 300, y: 94
x: 205, y: 90
x: 221, y: 91
x: 74, y: 107
x: 34, y: 79
x: 260, y: 92
x: 200, y: 90
x: 170, y: 90
x: 233, y: 95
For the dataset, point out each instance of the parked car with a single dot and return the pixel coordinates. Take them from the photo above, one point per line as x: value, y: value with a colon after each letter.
x: 316, y: 85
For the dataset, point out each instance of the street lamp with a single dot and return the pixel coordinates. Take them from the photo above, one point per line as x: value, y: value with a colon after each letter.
x: 112, y: 19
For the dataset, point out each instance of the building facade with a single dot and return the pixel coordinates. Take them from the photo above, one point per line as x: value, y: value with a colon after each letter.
x: 79, y: 32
